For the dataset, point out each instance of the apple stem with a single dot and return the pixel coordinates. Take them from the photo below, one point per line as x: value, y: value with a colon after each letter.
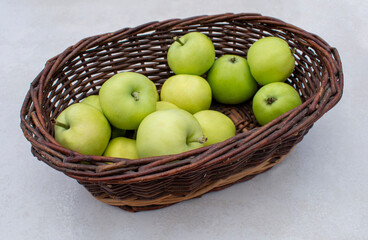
x: 178, y: 40
x: 270, y: 100
x: 233, y: 59
x: 60, y: 124
x: 136, y: 96
x: 202, y: 139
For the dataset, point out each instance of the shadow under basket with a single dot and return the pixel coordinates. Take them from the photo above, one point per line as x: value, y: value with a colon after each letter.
x: 156, y: 182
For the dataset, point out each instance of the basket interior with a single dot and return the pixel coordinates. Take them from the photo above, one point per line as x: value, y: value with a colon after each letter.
x: 145, y: 52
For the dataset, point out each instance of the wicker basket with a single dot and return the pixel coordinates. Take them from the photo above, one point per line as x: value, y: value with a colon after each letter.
x: 156, y: 182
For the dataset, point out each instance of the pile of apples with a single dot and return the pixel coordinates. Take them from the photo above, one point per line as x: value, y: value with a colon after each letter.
x: 179, y: 119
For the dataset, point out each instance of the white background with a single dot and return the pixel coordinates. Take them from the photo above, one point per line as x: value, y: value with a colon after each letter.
x: 320, y: 191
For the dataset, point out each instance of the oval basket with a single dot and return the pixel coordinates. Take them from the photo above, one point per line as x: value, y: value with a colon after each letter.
x: 156, y: 182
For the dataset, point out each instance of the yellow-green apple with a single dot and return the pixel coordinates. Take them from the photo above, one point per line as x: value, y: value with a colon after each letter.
x: 169, y: 131
x: 270, y: 60
x: 216, y: 126
x: 230, y: 80
x: 189, y: 92
x: 82, y: 128
x: 193, y: 53
x: 121, y: 147
x: 126, y: 98
x: 273, y: 100
x: 162, y: 105
x: 94, y: 101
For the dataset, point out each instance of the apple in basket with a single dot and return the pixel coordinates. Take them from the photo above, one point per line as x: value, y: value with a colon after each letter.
x: 216, y: 126
x: 94, y: 101
x: 273, y: 100
x: 162, y: 105
x: 193, y: 53
x: 82, y: 128
x: 169, y: 131
x: 270, y: 60
x: 127, y: 98
x: 189, y: 92
x: 230, y: 80
x: 122, y: 147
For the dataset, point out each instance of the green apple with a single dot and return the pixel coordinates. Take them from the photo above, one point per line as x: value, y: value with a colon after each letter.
x: 156, y: 92
x: 122, y: 147
x: 216, y: 126
x: 169, y: 131
x: 230, y: 80
x: 273, y: 100
x: 270, y: 60
x: 193, y: 53
x: 126, y: 98
x: 189, y: 92
x: 94, y: 101
x: 162, y: 105
x: 82, y: 128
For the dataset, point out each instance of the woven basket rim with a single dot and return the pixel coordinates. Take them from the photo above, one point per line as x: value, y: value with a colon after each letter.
x: 329, y: 94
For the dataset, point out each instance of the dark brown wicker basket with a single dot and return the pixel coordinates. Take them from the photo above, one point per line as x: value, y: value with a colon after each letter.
x: 151, y: 183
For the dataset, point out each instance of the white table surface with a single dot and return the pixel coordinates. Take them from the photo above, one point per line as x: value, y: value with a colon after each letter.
x: 320, y: 191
